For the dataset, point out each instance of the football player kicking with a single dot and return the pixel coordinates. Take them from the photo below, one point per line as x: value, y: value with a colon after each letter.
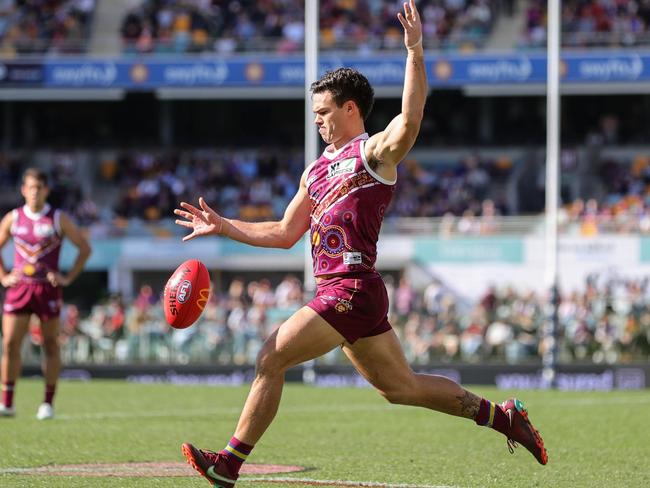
x: 341, y: 200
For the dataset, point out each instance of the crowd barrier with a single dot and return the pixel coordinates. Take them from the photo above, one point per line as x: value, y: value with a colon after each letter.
x: 569, y: 377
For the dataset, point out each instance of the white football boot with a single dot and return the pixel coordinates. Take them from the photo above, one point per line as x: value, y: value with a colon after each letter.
x: 7, y: 411
x: 45, y: 412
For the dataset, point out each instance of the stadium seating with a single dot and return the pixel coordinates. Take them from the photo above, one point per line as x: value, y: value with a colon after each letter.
x: 234, y: 26
x: 592, y: 23
x: 45, y: 27
x: 605, y: 322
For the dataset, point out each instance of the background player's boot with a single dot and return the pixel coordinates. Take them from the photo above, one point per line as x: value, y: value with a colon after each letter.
x: 522, y: 430
x: 208, y: 464
x: 7, y: 411
x: 45, y: 412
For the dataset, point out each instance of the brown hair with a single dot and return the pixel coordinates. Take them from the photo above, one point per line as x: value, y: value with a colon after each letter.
x: 347, y: 84
x: 37, y: 174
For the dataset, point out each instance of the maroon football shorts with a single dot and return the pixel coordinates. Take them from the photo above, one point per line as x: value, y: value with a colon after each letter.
x: 356, y: 305
x: 41, y: 299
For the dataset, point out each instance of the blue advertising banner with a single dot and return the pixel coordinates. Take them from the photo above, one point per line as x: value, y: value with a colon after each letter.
x: 21, y: 74
x: 382, y: 70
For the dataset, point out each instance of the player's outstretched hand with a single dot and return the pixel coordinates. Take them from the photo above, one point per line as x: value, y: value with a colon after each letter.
x: 410, y: 20
x: 203, y: 221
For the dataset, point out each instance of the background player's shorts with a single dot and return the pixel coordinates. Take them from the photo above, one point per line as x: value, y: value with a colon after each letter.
x: 356, y: 305
x: 41, y: 299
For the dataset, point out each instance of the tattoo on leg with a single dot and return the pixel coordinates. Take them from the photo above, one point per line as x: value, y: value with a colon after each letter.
x: 469, y: 405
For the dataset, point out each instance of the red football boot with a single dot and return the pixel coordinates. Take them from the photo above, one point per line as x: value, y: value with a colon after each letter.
x: 522, y: 431
x: 208, y: 465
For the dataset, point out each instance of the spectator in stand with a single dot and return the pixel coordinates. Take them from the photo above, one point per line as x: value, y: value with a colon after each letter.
x: 607, y: 320
x: 45, y: 26
x: 591, y: 23
x: 164, y: 26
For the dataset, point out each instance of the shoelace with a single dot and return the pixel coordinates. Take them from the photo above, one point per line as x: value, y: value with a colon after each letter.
x: 511, y: 445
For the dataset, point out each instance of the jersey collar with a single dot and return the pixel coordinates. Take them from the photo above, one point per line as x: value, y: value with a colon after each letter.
x: 36, y: 215
x: 329, y: 154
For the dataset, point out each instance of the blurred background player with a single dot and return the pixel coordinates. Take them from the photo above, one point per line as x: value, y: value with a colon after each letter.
x: 34, y: 284
x: 342, y: 200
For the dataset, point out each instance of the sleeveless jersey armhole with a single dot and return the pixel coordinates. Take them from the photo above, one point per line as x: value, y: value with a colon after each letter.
x: 57, y: 222
x: 14, y: 221
x: 362, y: 154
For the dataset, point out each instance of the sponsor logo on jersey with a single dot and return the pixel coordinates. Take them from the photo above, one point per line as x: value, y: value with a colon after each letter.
x: 351, y: 258
x: 29, y: 269
x: 338, y: 168
x: 43, y: 230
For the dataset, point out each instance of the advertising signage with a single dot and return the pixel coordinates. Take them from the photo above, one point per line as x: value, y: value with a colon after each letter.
x: 382, y: 70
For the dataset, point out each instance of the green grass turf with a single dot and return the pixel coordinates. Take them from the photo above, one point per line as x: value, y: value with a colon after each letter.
x: 593, y: 439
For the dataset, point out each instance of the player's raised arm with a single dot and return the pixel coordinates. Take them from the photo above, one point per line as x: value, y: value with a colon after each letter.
x: 204, y: 221
x: 393, y: 143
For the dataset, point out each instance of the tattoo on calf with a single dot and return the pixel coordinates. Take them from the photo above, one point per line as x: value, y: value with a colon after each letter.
x: 469, y: 404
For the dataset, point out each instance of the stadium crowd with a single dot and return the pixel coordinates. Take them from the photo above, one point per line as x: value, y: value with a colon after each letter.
x: 44, y: 26
x: 591, y: 23
x: 258, y: 185
x: 468, y: 195
x: 606, y: 321
x: 253, y: 185
x: 165, y: 26
x: 624, y: 206
x: 231, y: 26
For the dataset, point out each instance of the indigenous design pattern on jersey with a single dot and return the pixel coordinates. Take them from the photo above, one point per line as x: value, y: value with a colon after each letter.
x: 348, y: 202
x: 37, y: 242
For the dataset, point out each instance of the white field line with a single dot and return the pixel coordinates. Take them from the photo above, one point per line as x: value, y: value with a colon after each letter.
x: 209, y: 412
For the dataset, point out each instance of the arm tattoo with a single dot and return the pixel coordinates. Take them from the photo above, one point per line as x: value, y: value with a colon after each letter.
x: 469, y: 405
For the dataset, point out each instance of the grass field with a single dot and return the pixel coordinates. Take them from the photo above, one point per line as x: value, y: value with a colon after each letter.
x: 351, y: 435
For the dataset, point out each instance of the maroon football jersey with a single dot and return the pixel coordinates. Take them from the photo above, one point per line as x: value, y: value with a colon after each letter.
x: 37, y: 242
x: 348, y: 202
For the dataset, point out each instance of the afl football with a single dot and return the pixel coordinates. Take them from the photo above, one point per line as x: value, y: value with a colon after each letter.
x: 186, y: 293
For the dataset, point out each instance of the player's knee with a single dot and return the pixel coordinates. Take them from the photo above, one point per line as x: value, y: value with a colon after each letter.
x: 393, y: 396
x: 268, y: 363
x: 401, y: 393
x: 50, y: 346
x: 11, y: 347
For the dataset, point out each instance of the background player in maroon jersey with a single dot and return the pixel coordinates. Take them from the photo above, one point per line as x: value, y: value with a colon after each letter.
x: 341, y: 201
x: 34, y: 284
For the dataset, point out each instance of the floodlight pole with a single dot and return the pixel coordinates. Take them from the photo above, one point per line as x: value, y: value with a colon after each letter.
x: 552, y: 192
x: 311, y: 136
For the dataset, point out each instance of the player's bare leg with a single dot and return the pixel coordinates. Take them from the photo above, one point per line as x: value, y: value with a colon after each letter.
x: 381, y: 361
x: 51, y: 366
x: 14, y: 329
x: 304, y: 336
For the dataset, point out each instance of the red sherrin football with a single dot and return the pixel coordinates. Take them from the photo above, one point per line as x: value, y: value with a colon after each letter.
x: 186, y: 293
